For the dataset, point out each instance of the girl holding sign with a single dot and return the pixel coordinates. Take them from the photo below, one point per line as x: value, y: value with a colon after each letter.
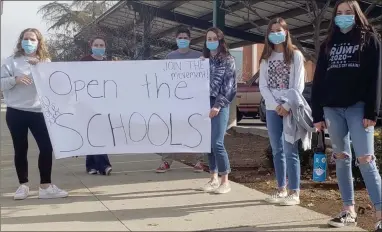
x: 281, y: 69
x: 24, y: 112
x: 222, y: 91
x: 97, y: 163
x: 346, y: 95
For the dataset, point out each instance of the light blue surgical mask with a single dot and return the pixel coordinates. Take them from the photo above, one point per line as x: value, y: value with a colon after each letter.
x: 29, y: 46
x: 183, y: 43
x: 344, y: 21
x: 212, y: 45
x: 277, y: 37
x: 98, y: 51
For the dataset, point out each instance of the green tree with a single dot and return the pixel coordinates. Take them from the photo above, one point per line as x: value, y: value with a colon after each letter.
x: 72, y: 17
x: 65, y: 20
x: 94, y: 8
x: 62, y: 48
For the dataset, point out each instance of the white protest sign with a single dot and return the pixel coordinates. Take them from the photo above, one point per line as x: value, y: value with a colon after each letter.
x: 116, y: 107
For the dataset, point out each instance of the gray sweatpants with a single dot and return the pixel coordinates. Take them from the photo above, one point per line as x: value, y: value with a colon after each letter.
x: 169, y: 157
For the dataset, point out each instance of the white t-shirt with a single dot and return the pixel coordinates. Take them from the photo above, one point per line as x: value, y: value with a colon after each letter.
x: 276, y: 77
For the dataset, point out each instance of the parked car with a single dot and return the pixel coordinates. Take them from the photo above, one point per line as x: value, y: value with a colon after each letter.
x: 248, y: 98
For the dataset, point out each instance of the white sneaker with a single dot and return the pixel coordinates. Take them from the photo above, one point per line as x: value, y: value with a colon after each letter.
x: 52, y: 192
x: 21, y: 193
x: 378, y: 226
x: 276, y: 197
x: 108, y: 171
x: 92, y: 172
x: 223, y: 188
x: 292, y: 199
x: 211, y: 186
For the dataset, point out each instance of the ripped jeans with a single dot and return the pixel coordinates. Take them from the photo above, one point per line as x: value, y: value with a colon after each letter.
x: 343, y: 123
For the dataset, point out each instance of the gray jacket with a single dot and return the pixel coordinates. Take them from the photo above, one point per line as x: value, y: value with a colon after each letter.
x: 299, y: 122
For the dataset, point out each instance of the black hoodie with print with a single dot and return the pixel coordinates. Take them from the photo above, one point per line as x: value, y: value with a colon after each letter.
x: 348, y: 73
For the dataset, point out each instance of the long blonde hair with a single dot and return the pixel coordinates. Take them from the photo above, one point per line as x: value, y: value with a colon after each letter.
x: 42, y: 50
x: 289, y: 48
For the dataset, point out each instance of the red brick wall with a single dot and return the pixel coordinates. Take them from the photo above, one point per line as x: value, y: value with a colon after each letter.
x: 247, y: 63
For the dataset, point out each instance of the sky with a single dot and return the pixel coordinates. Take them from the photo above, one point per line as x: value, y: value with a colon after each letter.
x: 18, y: 15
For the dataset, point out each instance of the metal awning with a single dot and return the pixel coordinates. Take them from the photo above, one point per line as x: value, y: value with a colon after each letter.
x: 118, y: 22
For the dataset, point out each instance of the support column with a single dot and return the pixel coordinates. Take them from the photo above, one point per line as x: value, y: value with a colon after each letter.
x: 218, y: 14
x: 219, y: 22
x: 247, y: 66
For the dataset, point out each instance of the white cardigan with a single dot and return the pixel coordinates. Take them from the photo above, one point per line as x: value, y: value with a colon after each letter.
x: 275, y: 80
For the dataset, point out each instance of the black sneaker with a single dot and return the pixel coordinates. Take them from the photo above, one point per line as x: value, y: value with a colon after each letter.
x: 378, y: 226
x: 343, y: 219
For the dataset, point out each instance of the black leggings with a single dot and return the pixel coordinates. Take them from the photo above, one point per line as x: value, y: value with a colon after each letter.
x: 19, y: 122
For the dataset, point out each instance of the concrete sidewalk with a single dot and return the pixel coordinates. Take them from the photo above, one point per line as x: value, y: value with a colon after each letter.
x: 134, y: 198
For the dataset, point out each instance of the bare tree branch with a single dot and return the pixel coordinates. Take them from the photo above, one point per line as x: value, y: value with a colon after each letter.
x: 310, y: 11
x: 247, y: 4
x: 246, y: 19
x: 324, y: 9
x: 303, y: 6
x: 316, y: 8
x: 370, y: 8
x: 317, y: 15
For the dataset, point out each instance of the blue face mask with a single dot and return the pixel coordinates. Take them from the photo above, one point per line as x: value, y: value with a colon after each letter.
x: 98, y: 51
x: 29, y: 46
x: 344, y: 21
x: 277, y: 37
x: 183, y: 43
x: 212, y: 45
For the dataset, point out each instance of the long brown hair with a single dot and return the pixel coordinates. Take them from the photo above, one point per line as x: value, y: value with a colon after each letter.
x: 361, y: 21
x: 223, y: 47
x: 42, y: 50
x: 289, y: 48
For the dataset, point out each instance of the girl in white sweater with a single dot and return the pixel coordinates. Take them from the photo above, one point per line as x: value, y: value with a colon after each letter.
x: 24, y: 113
x: 281, y: 68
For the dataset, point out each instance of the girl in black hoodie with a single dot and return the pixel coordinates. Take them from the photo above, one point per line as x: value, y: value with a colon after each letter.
x: 346, y: 96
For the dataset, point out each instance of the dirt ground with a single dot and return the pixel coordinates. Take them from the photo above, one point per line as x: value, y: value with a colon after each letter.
x: 250, y: 167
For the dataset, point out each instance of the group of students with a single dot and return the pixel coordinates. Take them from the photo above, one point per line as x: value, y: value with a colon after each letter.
x: 346, y: 95
x: 345, y: 100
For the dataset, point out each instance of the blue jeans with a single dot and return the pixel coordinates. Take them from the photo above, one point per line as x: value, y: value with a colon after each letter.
x: 97, y: 162
x: 218, y: 158
x: 285, y: 155
x: 343, y: 123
